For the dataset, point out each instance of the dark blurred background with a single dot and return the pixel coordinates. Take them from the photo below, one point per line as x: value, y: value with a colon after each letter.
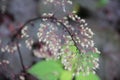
x: 103, y: 17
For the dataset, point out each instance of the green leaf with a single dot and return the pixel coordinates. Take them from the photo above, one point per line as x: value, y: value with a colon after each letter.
x: 91, y: 76
x: 66, y: 75
x: 73, y: 48
x: 47, y: 70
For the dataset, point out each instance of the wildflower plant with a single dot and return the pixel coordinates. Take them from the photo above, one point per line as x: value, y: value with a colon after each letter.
x: 61, y: 44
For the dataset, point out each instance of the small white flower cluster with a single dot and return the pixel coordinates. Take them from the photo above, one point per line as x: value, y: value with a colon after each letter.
x: 29, y: 42
x: 81, y: 33
x: 68, y: 59
x: 4, y: 62
x: 79, y: 62
x: 24, y: 32
x: 9, y: 48
x: 49, y: 41
x: 47, y: 35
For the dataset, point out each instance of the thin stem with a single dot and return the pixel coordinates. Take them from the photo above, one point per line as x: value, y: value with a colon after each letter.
x: 20, y: 56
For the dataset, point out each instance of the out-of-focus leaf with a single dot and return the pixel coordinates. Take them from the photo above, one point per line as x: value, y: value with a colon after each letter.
x: 66, y: 75
x: 76, y: 8
x: 47, y: 70
x: 102, y: 3
x: 91, y: 76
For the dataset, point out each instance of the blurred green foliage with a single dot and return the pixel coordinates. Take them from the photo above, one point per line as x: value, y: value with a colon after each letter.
x: 66, y: 75
x: 102, y: 3
x: 91, y: 76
